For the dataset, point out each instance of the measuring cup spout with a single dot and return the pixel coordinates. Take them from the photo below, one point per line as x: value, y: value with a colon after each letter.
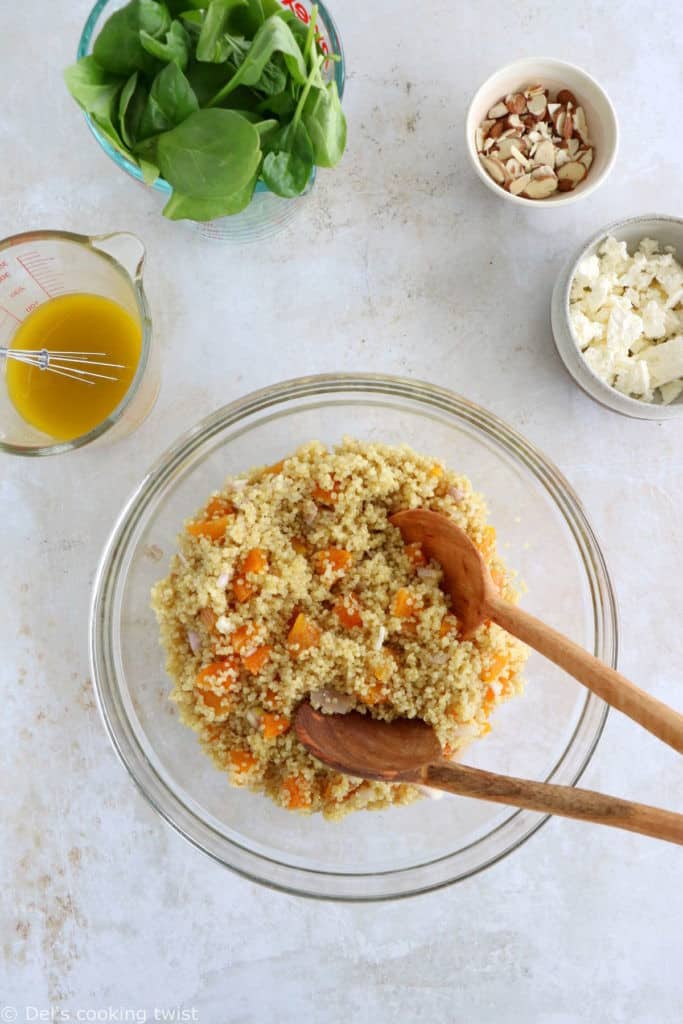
x: 124, y: 247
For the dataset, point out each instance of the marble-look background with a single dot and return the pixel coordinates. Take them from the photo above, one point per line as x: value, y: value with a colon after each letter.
x: 413, y: 268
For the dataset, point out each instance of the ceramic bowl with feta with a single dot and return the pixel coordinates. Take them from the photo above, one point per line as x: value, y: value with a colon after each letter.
x: 617, y: 316
x: 541, y: 132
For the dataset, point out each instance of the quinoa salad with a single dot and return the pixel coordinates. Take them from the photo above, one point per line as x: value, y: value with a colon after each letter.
x: 290, y: 584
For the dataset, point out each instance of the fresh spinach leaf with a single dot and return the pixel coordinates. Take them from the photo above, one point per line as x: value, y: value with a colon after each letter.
x: 171, y: 101
x: 274, y: 36
x: 93, y: 88
x: 213, y: 153
x: 283, y: 105
x: 287, y: 167
x: 150, y: 172
x: 124, y: 103
x: 212, y: 45
x: 247, y: 20
x: 180, y: 207
x: 118, y: 47
x: 175, y: 47
x: 273, y: 79
x: 326, y: 125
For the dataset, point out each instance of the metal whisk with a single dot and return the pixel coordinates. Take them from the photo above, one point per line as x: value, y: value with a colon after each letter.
x: 66, y: 364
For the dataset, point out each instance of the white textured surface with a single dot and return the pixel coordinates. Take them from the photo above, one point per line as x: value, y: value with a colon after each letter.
x: 403, y: 263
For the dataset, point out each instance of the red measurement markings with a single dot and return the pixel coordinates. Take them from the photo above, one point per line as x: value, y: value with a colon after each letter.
x: 302, y: 14
x: 9, y: 313
x: 36, y: 261
x: 17, y: 291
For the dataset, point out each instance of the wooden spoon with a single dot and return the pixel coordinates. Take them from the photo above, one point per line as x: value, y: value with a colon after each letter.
x: 475, y: 598
x: 407, y: 750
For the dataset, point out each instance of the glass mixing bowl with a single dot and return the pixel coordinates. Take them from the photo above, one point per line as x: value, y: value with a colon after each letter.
x: 267, y: 213
x: 549, y: 733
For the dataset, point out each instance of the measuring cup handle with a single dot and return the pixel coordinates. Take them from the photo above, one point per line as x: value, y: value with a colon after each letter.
x: 124, y: 247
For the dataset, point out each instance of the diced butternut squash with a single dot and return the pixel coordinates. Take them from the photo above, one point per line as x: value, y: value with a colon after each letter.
x: 416, y: 554
x: 335, y: 561
x: 322, y: 496
x: 300, y: 545
x: 219, y: 674
x: 297, y: 798
x: 449, y: 625
x: 245, y: 638
x: 374, y: 693
x: 272, y: 699
x: 255, y: 661
x: 255, y: 564
x: 348, y: 611
x: 274, y: 725
x: 219, y: 507
x: 436, y: 470
x: 276, y: 468
x: 303, y: 635
x: 242, y: 761
x: 492, y: 669
x: 404, y: 605
x: 382, y: 665
x: 213, y: 529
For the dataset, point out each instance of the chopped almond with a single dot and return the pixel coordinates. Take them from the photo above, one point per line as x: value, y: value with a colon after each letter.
x: 208, y: 619
x: 347, y: 609
x: 302, y: 635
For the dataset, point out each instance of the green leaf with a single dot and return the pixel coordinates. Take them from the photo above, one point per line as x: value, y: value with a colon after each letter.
x: 213, y: 153
x: 180, y: 207
x: 150, y: 172
x: 171, y: 101
x: 273, y: 80
x: 176, y: 47
x: 288, y: 165
x: 118, y: 47
x: 326, y: 125
x: 124, y: 102
x: 212, y: 46
x: 92, y: 87
x: 282, y: 105
x: 206, y: 79
x: 274, y: 36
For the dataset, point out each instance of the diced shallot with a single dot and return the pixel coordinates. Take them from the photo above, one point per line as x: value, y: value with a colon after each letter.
x: 194, y: 641
x: 428, y: 573
x: 381, y: 637
x: 332, y: 702
x: 439, y: 658
x: 253, y: 718
x: 223, y: 580
x: 456, y: 493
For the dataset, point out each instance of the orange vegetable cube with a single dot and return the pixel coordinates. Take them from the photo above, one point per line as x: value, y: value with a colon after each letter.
x: 449, y: 624
x: 274, y: 725
x: 219, y: 507
x: 375, y: 693
x: 214, y: 529
x: 297, y: 797
x: 383, y: 665
x: 245, y: 637
x: 436, y: 470
x: 242, y: 760
x: 271, y: 699
x: 299, y: 545
x: 302, y: 635
x: 493, y: 669
x: 324, y: 497
x: 347, y: 610
x: 416, y: 554
x: 256, y: 562
x: 332, y: 560
x: 275, y: 468
x: 219, y: 673
x: 404, y: 604
x: 255, y: 661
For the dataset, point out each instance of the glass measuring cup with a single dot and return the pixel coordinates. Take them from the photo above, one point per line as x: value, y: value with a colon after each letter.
x: 40, y: 265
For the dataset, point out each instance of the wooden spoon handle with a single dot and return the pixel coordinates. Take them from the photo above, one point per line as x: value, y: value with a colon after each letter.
x: 658, y: 718
x: 565, y: 801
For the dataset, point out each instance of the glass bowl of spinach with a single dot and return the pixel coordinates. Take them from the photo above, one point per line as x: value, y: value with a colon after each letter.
x: 225, y: 107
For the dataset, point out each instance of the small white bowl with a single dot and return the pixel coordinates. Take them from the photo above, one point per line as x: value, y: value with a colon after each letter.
x: 554, y: 74
x: 666, y: 231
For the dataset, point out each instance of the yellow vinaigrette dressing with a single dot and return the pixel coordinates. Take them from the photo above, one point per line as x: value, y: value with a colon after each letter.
x: 65, y: 408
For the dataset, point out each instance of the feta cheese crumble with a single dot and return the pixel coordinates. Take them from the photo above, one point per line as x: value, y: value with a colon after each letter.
x: 626, y: 315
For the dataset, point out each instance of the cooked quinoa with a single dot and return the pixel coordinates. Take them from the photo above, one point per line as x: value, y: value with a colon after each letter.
x: 291, y: 584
